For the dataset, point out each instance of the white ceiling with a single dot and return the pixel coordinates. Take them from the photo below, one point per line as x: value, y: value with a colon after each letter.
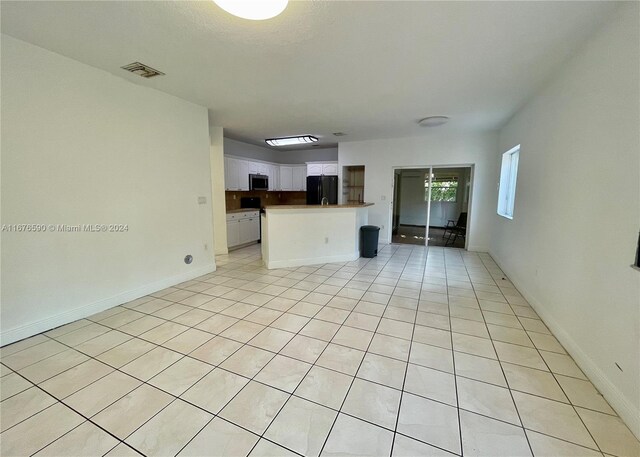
x: 370, y: 69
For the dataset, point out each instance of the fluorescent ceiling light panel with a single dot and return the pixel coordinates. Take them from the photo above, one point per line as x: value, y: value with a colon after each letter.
x: 291, y: 140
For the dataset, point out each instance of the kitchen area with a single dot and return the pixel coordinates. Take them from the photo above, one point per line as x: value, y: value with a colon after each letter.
x: 294, y: 209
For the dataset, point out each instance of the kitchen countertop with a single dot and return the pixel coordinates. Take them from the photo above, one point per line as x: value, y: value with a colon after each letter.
x: 242, y: 210
x: 347, y: 205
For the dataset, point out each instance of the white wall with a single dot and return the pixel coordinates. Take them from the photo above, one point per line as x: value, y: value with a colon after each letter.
x: 251, y: 151
x: 308, y: 155
x: 577, y: 209
x: 81, y: 146
x: 216, y: 159
x: 436, y: 149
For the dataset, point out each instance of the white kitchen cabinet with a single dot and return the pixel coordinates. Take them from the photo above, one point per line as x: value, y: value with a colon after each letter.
x: 299, y: 178
x: 330, y: 169
x: 233, y: 233
x: 314, y: 169
x: 231, y: 174
x: 258, y: 168
x: 273, y: 171
x: 322, y: 168
x: 254, y: 232
x: 286, y: 178
x: 249, y: 230
x: 243, y: 228
x: 243, y: 175
x: 236, y: 174
x: 253, y: 167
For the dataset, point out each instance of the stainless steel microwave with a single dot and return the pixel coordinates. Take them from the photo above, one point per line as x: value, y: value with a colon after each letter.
x: 258, y: 182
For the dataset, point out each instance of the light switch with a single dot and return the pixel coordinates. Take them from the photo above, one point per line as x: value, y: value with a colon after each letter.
x: 202, y: 200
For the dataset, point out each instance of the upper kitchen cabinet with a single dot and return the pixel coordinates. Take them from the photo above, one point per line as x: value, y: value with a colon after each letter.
x: 293, y: 177
x: 273, y: 172
x: 322, y: 168
x: 258, y: 168
x: 286, y: 178
x: 230, y: 173
x: 299, y: 178
x: 281, y: 177
x: 236, y: 174
x: 243, y: 174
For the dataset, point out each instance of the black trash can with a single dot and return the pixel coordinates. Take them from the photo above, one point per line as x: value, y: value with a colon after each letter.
x: 369, y: 241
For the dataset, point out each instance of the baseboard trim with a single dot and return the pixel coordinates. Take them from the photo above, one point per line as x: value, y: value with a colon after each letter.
x: 627, y: 411
x: 476, y: 248
x: 240, y: 246
x: 288, y: 263
x: 24, y: 331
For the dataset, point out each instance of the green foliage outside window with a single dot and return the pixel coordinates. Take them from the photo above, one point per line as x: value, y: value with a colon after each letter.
x: 442, y: 190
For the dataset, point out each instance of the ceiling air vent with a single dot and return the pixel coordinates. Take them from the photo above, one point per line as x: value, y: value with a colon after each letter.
x: 143, y: 70
x: 339, y: 134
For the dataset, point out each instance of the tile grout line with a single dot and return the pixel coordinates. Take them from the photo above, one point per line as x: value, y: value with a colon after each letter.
x: 356, y: 372
x: 406, y: 370
x: 515, y: 405
x: 453, y: 357
x: 261, y: 436
x: 247, y: 343
x: 86, y: 419
x: 554, y: 377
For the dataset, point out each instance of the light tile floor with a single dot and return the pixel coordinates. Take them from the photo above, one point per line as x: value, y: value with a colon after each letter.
x: 416, y: 352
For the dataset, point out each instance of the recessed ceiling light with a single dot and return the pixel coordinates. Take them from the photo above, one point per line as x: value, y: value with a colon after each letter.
x: 291, y: 140
x: 433, y: 121
x: 256, y: 10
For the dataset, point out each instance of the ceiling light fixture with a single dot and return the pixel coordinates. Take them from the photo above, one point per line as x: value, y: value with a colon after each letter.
x: 256, y: 10
x: 291, y: 140
x: 433, y: 121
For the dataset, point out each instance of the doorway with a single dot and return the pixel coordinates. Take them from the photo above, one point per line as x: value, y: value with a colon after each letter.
x: 431, y: 205
x: 410, y: 206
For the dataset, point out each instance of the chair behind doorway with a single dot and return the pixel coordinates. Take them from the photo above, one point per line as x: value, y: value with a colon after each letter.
x: 454, y: 229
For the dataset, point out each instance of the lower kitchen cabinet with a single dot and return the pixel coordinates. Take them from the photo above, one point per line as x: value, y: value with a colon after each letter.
x: 233, y: 233
x: 243, y: 228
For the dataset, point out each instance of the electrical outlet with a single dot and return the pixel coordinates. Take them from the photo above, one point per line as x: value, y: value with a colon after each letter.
x: 383, y: 197
x: 202, y: 200
x: 206, y: 246
x: 234, y: 196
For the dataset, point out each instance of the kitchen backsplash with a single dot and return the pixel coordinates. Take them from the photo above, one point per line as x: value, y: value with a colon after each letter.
x: 233, y: 197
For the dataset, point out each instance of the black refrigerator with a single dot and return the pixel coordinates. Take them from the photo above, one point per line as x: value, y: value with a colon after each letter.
x: 322, y: 186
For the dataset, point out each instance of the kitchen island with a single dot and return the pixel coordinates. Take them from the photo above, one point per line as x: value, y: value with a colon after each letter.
x: 297, y: 235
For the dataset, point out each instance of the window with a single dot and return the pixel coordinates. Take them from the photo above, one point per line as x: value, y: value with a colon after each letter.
x: 443, y: 188
x: 508, y: 177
